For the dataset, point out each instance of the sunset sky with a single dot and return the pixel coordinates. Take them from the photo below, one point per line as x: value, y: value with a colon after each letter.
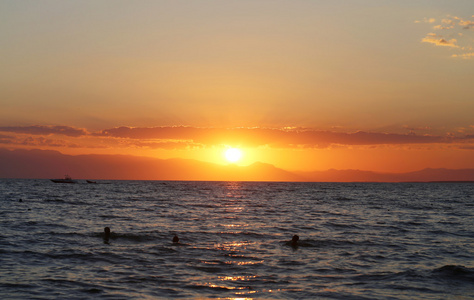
x: 376, y: 85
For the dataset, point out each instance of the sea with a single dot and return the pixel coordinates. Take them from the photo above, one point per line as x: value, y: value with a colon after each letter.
x: 356, y: 240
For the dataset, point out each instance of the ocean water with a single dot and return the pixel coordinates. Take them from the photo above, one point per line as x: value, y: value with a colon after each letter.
x: 357, y: 240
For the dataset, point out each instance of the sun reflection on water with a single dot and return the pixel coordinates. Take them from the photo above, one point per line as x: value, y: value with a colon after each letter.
x: 237, y: 253
x: 236, y: 278
x: 233, y: 246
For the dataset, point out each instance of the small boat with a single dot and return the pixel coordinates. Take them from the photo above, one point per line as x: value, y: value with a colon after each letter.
x: 66, y: 179
x: 91, y: 181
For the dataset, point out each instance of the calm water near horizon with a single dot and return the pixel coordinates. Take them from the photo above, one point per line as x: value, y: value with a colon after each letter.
x: 357, y: 240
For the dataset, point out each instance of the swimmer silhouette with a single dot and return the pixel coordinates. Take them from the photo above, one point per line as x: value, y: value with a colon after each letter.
x: 175, y: 239
x: 106, y: 235
x: 294, y: 240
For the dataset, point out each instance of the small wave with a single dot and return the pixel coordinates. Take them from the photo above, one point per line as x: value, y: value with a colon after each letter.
x: 93, y: 291
x: 74, y: 255
x: 70, y: 254
x: 115, y: 217
x: 54, y: 200
x: 328, y: 243
x: 340, y: 225
x: 247, y: 234
x: 387, y: 276
x: 445, y: 273
x: 17, y: 285
x: 304, y: 243
x: 455, y: 272
x: 134, y: 237
x: 85, y: 287
x: 62, y: 201
x: 208, y: 269
x: 200, y: 205
x: 160, y: 251
x: 342, y: 198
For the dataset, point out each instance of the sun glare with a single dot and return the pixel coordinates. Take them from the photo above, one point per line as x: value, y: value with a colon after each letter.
x: 233, y: 155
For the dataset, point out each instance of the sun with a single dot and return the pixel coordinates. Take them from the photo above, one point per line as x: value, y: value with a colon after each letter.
x: 233, y: 155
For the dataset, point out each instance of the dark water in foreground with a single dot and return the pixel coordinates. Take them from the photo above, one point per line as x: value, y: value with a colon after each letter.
x: 358, y: 240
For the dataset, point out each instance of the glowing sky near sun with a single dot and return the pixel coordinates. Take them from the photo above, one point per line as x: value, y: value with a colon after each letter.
x: 302, y: 85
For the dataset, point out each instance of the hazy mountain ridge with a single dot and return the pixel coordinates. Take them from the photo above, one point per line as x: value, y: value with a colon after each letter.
x: 424, y: 175
x: 53, y: 164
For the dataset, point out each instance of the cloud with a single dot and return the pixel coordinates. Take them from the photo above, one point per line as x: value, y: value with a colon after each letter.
x: 255, y: 137
x: 425, y: 128
x: 183, y: 137
x: 439, y: 41
x: 185, y: 133
x: 448, y: 28
x: 38, y: 142
x: 446, y: 24
x: 427, y: 20
x: 5, y: 139
x: 465, y: 24
x: 464, y: 55
x: 46, y: 130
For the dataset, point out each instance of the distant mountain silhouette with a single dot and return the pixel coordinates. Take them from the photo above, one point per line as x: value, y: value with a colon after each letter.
x: 53, y: 164
x: 424, y: 175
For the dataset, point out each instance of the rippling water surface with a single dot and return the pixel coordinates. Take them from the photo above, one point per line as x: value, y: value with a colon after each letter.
x: 357, y: 240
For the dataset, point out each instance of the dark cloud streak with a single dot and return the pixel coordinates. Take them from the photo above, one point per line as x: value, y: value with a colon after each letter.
x: 45, y: 130
x: 181, y: 137
x: 270, y: 137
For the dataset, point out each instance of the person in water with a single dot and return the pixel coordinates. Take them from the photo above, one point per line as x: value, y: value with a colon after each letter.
x: 175, y: 239
x: 106, y: 234
x: 294, y: 240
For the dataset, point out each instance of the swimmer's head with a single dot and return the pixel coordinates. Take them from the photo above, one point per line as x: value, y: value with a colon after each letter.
x: 175, y: 239
x: 106, y: 234
x: 295, y: 239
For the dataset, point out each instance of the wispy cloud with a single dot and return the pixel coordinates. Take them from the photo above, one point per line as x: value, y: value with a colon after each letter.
x: 454, y: 32
x: 37, y: 142
x: 446, y: 24
x: 285, y: 138
x: 5, y: 139
x: 464, y: 55
x: 426, y: 20
x: 439, y: 40
x: 45, y: 130
x: 182, y: 137
x: 466, y: 24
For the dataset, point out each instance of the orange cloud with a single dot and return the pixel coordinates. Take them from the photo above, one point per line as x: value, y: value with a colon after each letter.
x: 427, y: 20
x: 45, y: 130
x: 270, y: 137
x: 466, y: 24
x: 439, y: 41
x: 452, y: 26
x: 5, y: 139
x: 35, y: 141
x: 464, y: 55
x: 182, y: 137
x: 446, y: 24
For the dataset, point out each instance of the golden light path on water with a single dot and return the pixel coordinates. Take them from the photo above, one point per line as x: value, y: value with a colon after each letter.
x: 236, y: 253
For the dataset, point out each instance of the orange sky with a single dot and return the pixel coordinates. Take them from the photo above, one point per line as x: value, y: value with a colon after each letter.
x: 303, y: 85
x: 291, y: 149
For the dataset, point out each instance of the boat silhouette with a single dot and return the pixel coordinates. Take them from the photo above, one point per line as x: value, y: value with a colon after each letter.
x: 66, y: 179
